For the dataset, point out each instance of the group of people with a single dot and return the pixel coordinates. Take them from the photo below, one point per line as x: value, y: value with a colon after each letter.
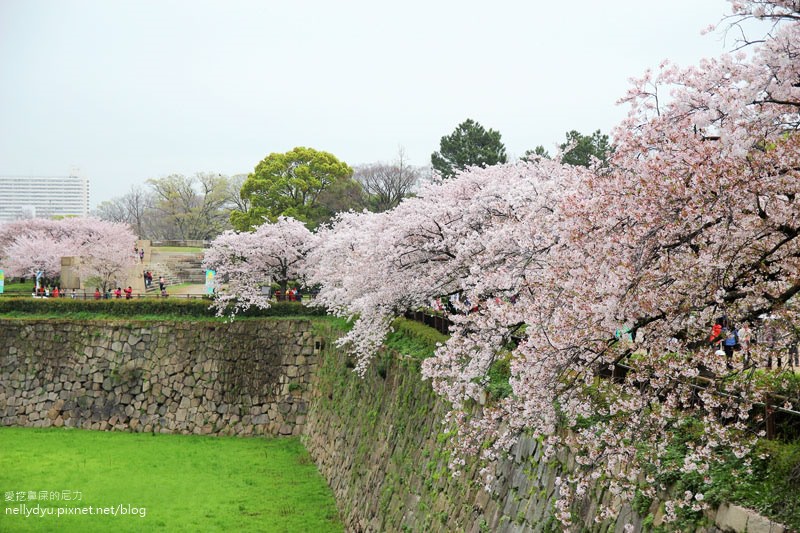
x: 292, y: 295
x: 52, y: 292
x: 117, y: 293
x: 139, y: 252
x: 727, y: 338
x: 148, y: 282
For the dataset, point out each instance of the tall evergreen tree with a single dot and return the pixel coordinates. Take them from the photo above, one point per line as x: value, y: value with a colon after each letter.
x: 586, y: 147
x: 469, y: 145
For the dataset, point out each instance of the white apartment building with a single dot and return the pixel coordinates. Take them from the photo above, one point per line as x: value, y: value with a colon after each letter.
x: 43, y: 196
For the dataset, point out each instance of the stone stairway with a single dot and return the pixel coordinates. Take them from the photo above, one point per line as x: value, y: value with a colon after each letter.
x: 176, y: 268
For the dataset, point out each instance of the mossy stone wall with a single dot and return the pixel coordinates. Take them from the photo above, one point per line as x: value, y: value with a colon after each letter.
x: 381, y: 444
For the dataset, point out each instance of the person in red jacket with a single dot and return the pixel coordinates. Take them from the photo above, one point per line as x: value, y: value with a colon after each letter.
x: 716, y: 336
x: 97, y: 293
x: 128, y: 292
x: 716, y: 331
x: 118, y: 293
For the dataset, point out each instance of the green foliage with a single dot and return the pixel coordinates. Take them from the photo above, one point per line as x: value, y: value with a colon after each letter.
x: 641, y: 503
x: 767, y: 481
x: 469, y: 145
x: 304, y: 183
x: 499, y: 373
x: 537, y: 153
x: 770, y: 486
x: 413, y: 338
x: 185, y: 483
x: 158, y: 307
x: 585, y: 147
x: 26, y: 287
x: 786, y: 383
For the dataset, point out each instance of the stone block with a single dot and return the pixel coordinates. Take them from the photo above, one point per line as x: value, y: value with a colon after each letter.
x: 758, y: 524
x: 732, y: 517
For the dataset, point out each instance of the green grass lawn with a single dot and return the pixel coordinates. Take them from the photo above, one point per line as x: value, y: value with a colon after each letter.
x: 165, y: 482
x: 18, y: 288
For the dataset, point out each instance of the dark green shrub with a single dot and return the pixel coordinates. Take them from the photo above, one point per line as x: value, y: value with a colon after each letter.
x: 174, y: 307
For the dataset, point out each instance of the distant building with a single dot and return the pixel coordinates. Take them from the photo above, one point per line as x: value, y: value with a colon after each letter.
x: 43, y: 196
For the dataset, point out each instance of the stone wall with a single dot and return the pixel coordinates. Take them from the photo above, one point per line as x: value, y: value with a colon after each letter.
x: 382, y: 447
x: 379, y: 441
x: 247, y: 377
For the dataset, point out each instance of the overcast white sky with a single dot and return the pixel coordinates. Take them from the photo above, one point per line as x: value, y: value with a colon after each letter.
x: 127, y: 91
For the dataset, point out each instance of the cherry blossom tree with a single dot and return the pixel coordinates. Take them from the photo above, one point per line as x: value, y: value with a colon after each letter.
x: 29, y: 254
x: 696, y: 216
x: 246, y: 261
x: 105, y: 248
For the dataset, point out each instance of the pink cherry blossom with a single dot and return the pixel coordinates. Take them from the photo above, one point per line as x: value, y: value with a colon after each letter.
x: 105, y: 248
x: 696, y: 217
x: 247, y: 261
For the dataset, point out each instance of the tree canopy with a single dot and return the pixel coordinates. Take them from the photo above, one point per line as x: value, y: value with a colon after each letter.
x: 578, y: 149
x: 386, y: 184
x: 469, y: 145
x: 272, y: 253
x: 582, y: 149
x: 36, y: 245
x: 192, y: 207
x: 177, y: 206
x: 293, y: 184
x: 548, y: 259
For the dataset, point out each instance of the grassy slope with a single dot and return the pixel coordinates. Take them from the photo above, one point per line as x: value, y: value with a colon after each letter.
x: 185, y: 483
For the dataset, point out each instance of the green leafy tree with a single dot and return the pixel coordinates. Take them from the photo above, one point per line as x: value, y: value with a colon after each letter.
x: 303, y: 184
x: 537, y: 153
x: 469, y: 145
x: 585, y: 148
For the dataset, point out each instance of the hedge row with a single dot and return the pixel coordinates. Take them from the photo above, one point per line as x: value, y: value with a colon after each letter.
x: 144, y: 306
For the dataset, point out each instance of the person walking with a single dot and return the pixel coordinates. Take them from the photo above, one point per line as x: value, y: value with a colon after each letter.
x: 716, y: 338
x: 730, y: 343
x: 745, y: 338
x: 794, y: 357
